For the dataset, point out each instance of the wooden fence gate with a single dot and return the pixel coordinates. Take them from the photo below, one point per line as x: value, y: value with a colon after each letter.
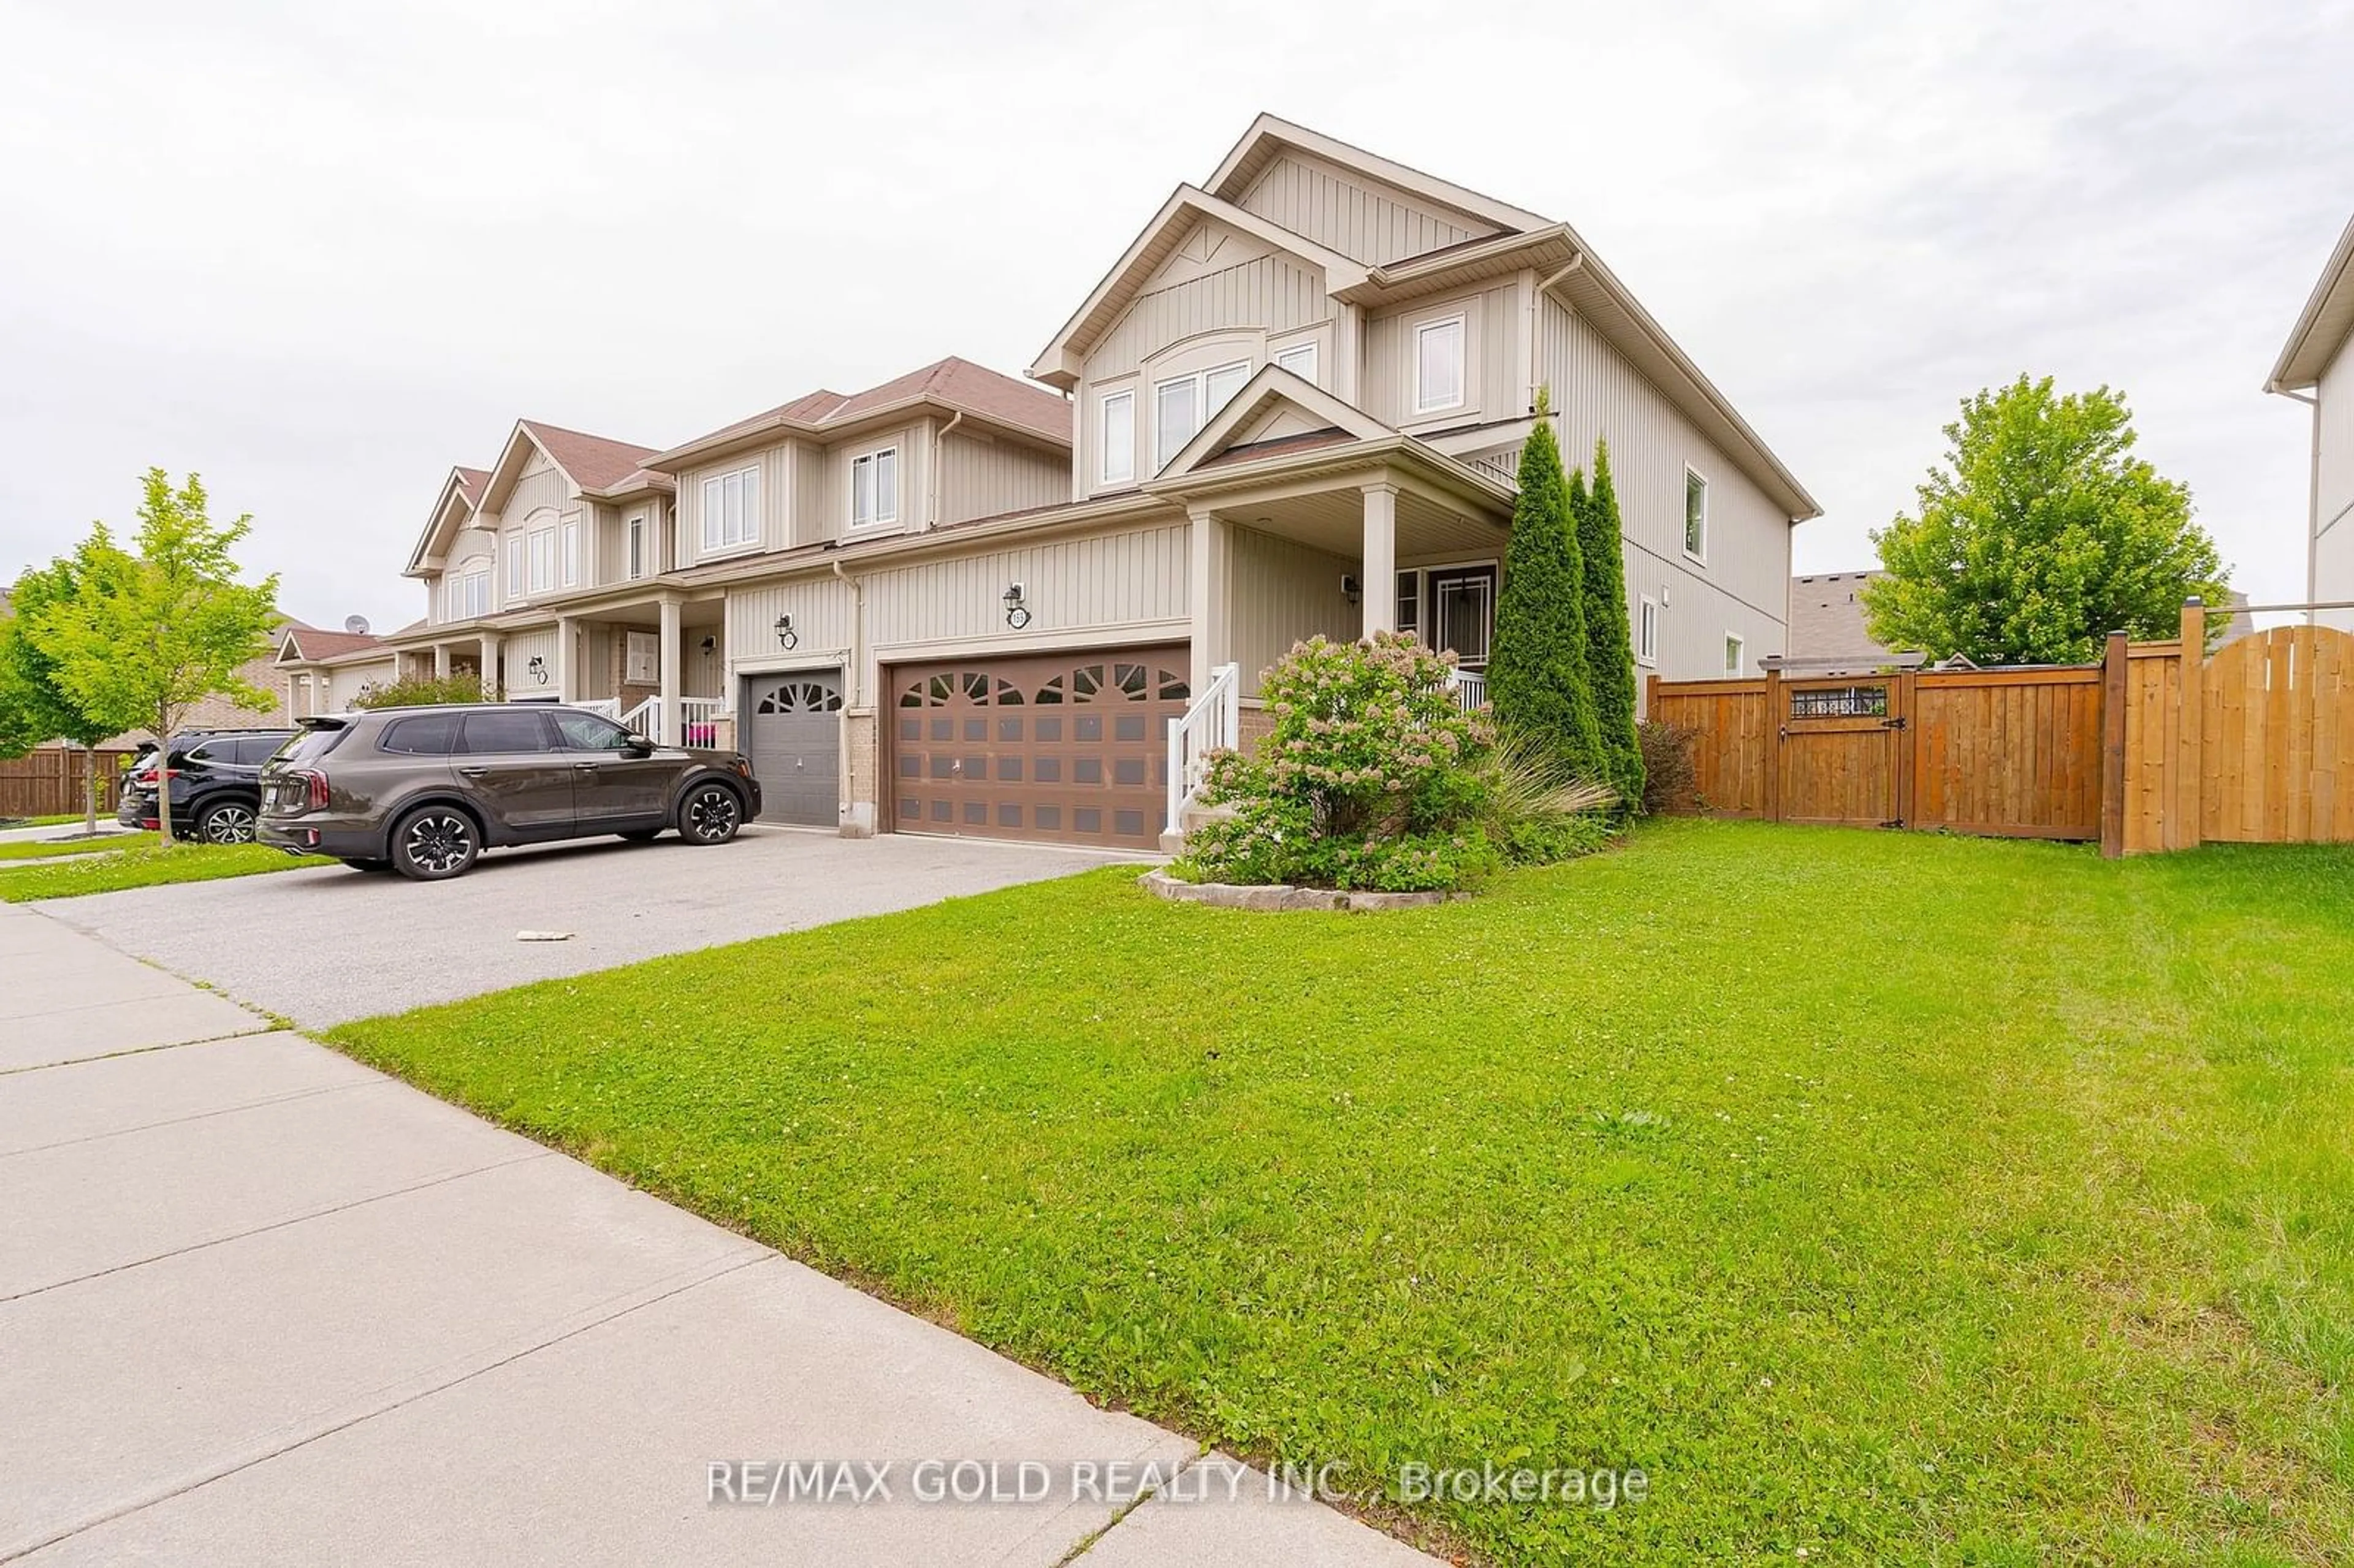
x: 2158, y: 746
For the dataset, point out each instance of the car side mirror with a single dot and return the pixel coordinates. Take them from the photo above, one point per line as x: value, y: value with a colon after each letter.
x: 637, y: 745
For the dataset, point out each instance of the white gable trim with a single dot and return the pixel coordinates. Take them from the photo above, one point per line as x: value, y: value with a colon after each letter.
x: 1262, y: 144
x: 1274, y: 393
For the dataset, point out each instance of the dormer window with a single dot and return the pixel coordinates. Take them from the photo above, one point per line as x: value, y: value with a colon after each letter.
x: 1182, y: 405
x: 874, y: 488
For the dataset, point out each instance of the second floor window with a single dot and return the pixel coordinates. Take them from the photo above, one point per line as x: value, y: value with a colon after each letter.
x: 571, y: 554
x: 1695, y: 517
x: 467, y: 596
x: 1181, y: 405
x: 1118, y: 438
x: 543, y: 559
x: 1647, y: 634
x: 731, y: 510
x: 874, y: 487
x: 1300, y: 359
x: 1438, y: 366
x: 635, y: 548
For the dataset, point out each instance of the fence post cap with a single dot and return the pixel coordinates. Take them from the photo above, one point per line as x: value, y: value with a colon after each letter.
x: 2194, y: 598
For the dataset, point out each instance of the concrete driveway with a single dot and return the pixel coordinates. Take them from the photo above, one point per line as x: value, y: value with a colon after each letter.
x: 259, y: 1305
x: 325, y: 946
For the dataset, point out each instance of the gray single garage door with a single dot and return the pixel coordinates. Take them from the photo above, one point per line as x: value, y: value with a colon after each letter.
x: 792, y: 729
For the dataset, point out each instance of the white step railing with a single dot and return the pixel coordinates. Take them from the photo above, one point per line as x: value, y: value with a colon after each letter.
x: 610, y: 707
x: 1212, y: 724
x: 1470, y: 688
x: 698, y: 718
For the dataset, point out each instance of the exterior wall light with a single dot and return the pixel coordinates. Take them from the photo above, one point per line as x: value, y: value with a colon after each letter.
x: 1351, y: 588
x: 537, y: 665
x: 1017, y: 614
x: 787, y: 637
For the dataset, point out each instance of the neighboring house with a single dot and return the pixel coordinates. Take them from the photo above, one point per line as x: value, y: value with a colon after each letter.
x: 1827, y: 634
x: 956, y: 603
x: 2315, y: 369
x: 327, y: 672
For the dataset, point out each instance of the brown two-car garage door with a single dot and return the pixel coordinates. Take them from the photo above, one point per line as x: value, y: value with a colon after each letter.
x: 1067, y: 747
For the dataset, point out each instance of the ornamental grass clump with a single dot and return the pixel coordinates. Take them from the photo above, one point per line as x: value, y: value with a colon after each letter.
x: 1372, y: 779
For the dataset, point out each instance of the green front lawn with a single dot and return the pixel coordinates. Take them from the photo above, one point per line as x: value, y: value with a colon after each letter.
x: 51, y: 849
x: 147, y: 866
x: 1900, y: 1198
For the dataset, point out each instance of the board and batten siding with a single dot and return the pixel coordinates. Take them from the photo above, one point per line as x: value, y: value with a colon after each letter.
x: 1280, y: 593
x: 982, y: 476
x: 775, y: 464
x: 1363, y: 219
x: 1496, y: 362
x: 1095, y: 581
x: 821, y: 607
x: 1273, y: 292
x: 515, y: 654
x: 1745, y: 579
x: 915, y: 444
x: 471, y: 549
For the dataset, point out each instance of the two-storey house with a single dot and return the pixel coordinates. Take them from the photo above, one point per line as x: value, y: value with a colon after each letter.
x: 2316, y: 369
x: 954, y: 603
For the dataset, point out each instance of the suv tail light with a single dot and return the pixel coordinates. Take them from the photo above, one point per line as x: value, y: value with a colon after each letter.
x: 314, y: 788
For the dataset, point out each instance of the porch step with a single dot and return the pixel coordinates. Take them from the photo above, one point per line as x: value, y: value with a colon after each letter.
x: 1189, y: 817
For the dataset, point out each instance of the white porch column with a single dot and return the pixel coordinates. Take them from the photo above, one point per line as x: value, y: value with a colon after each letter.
x: 491, y: 645
x: 441, y: 660
x: 1208, y: 595
x: 1379, y: 578
x: 672, y: 733
x: 566, y: 629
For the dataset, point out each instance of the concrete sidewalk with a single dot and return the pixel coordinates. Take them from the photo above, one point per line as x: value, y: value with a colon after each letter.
x: 260, y: 1305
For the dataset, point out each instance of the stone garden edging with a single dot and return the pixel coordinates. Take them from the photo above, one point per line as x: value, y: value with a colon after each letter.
x: 1234, y: 896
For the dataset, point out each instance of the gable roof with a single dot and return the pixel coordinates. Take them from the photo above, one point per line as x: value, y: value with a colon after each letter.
x: 1057, y: 364
x: 1251, y: 422
x: 460, y: 497
x: 592, y: 462
x: 309, y: 645
x: 2322, y: 327
x: 1268, y: 138
x: 470, y: 482
x: 952, y: 385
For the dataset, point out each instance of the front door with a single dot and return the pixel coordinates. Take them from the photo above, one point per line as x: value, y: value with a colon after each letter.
x: 610, y: 789
x: 509, y: 762
x: 1463, y: 613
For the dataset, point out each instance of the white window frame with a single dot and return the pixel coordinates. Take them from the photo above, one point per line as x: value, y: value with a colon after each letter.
x: 514, y: 574
x: 1163, y: 449
x: 542, y: 555
x: 475, y: 588
x: 1298, y: 353
x: 724, y: 532
x: 1115, y: 410
x: 1460, y: 323
x: 1701, y: 555
x: 871, y: 463
x: 1647, y: 631
x: 634, y: 549
x: 1736, y: 653
x: 569, y: 550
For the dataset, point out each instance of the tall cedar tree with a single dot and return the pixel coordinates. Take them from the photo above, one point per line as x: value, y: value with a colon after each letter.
x: 1609, y: 641
x: 1536, y: 670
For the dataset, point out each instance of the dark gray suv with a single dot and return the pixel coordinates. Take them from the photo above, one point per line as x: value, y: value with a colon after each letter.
x: 425, y: 791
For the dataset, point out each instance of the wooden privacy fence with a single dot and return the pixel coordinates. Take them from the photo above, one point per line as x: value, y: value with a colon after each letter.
x: 49, y: 782
x: 2156, y: 747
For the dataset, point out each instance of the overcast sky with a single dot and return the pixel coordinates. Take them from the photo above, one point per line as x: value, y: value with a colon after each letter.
x: 320, y: 251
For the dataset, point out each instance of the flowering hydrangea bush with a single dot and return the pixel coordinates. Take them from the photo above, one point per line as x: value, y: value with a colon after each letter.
x: 1371, y: 778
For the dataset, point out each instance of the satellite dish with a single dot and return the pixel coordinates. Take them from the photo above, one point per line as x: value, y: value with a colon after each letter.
x: 356, y: 625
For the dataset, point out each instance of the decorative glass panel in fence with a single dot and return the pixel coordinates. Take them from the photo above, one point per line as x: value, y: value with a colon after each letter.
x: 1840, y: 701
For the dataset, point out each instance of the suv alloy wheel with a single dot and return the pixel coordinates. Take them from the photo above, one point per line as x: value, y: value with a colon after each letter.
x: 227, y: 822
x: 710, y: 814
x: 434, y: 843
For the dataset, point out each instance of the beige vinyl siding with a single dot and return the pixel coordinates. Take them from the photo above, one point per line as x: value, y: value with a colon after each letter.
x: 595, y: 676
x: 821, y: 609
x: 913, y: 478
x: 1495, y: 368
x: 1280, y: 593
x: 1748, y: 555
x: 775, y: 465
x: 982, y: 476
x: 515, y: 654
x: 1362, y: 219
x: 2333, y: 435
x: 472, y: 549
x: 343, y: 682
x: 1273, y: 292
x: 1102, y: 581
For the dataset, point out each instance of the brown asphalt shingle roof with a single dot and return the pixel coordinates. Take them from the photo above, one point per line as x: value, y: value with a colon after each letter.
x: 311, y: 643
x: 954, y: 383
x: 593, y: 462
x: 471, y: 481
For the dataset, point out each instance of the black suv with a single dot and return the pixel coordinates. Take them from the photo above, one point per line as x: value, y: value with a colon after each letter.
x: 216, y: 784
x: 425, y: 790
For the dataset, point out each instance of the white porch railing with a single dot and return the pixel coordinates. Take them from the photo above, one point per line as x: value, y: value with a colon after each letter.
x: 1212, y: 724
x: 698, y: 718
x: 611, y: 708
x: 1470, y: 688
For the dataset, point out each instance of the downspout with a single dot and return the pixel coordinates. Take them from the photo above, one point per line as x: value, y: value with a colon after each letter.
x: 938, y: 485
x: 853, y: 825
x: 1536, y: 306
